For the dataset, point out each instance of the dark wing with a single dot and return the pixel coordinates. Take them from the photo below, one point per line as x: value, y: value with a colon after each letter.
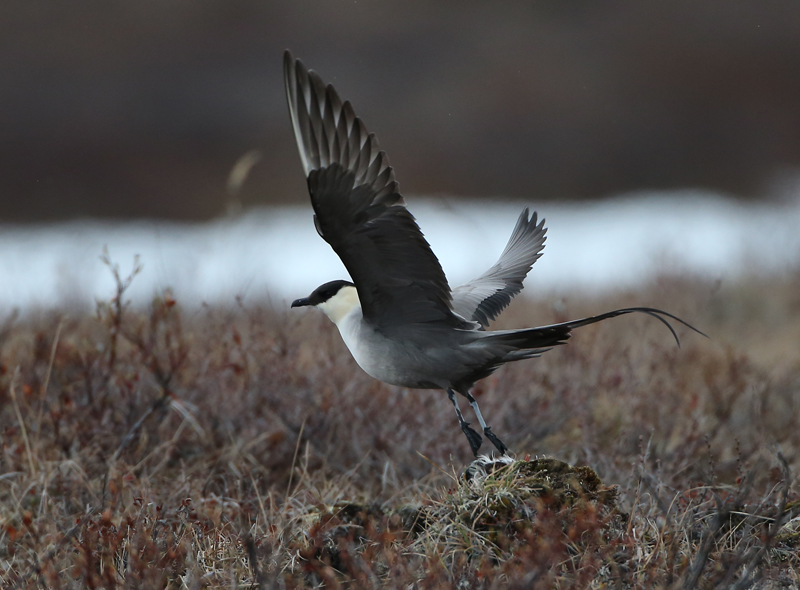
x: 359, y: 211
x: 483, y: 299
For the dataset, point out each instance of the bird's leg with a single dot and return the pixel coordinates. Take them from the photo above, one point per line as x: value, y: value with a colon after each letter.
x: 472, y: 436
x: 487, y: 431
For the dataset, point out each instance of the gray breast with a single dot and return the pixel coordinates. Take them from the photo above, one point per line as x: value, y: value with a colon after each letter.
x: 414, y: 356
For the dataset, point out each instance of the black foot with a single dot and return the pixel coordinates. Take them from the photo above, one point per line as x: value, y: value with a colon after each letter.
x: 473, y: 437
x: 495, y: 441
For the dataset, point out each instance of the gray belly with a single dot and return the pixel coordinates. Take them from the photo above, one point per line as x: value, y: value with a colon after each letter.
x: 424, y: 361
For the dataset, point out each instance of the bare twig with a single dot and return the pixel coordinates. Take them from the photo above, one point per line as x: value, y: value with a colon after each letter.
x: 118, y: 306
x: 252, y: 558
x: 46, y: 383
x: 707, y: 542
x: 294, y: 458
x: 754, y: 562
x: 159, y: 403
x: 12, y: 389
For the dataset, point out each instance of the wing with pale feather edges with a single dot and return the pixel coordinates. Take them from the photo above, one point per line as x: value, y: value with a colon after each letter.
x: 483, y: 299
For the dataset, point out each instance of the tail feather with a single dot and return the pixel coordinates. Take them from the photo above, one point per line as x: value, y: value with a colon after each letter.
x: 659, y: 314
x: 531, y: 342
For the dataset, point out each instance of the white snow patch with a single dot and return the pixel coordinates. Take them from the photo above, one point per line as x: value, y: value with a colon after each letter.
x: 275, y: 253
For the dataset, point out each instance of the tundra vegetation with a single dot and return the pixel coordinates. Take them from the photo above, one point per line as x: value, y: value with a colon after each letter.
x: 174, y: 447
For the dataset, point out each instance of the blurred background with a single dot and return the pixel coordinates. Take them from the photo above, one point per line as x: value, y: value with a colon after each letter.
x: 140, y: 110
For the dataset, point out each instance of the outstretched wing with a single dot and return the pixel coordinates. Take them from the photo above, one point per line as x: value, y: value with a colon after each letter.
x: 359, y: 211
x: 483, y: 299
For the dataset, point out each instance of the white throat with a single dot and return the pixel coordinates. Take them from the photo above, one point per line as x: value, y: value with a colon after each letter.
x: 340, y: 305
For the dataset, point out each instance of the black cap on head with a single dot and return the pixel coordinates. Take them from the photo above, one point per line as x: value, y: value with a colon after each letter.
x: 322, y: 293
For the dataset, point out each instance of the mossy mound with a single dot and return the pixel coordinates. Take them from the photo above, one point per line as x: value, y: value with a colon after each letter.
x: 557, y: 483
x: 496, y: 509
x: 499, y: 507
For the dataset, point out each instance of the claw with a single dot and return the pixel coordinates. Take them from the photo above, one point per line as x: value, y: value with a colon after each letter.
x: 495, y: 441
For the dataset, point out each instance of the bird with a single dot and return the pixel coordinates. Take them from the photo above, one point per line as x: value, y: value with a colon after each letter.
x: 397, y: 314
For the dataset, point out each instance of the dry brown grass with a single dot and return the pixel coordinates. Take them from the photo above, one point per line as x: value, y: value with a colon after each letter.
x: 242, y: 447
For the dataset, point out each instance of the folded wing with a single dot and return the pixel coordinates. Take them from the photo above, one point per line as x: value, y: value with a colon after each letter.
x: 359, y: 210
x: 483, y: 299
